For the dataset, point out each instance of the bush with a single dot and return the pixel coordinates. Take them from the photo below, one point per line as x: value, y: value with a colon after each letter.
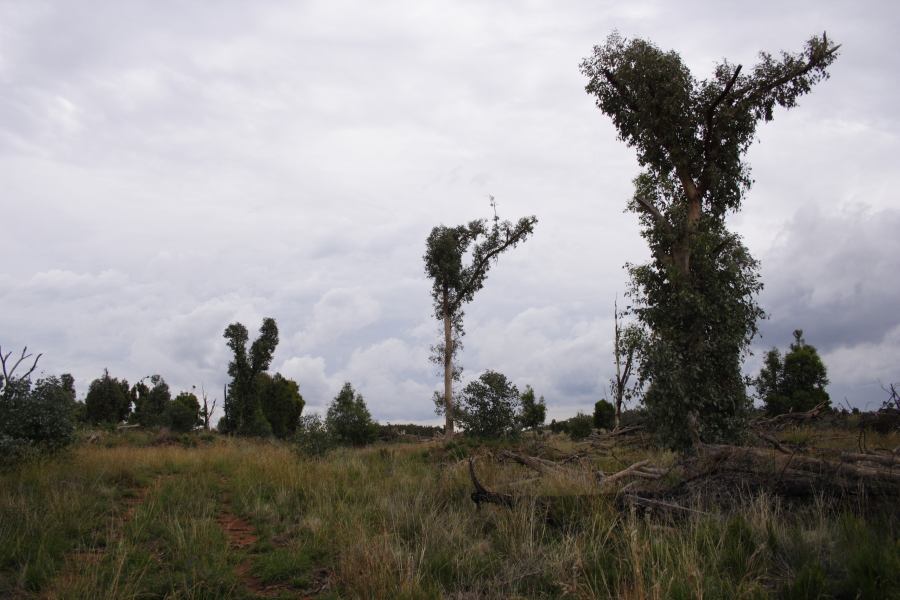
x: 312, y: 437
x: 36, y: 418
x: 489, y: 406
x: 604, y: 414
x: 183, y: 413
x: 580, y: 426
x: 348, y: 419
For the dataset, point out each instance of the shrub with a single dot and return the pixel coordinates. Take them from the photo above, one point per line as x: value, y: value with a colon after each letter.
x: 580, y: 426
x: 312, y: 437
x: 36, y: 418
x: 183, y: 413
x: 604, y: 414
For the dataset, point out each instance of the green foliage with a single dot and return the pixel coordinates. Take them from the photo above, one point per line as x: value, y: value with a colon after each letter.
x: 795, y: 383
x: 243, y: 411
x: 580, y: 426
x: 183, y: 413
x: 256, y: 424
x: 150, y: 402
x: 489, y: 406
x: 455, y: 283
x: 534, y: 413
x: 312, y: 437
x: 698, y: 335
x: 108, y: 400
x: 348, y: 419
x: 696, y: 297
x: 281, y: 403
x: 394, y: 431
x: 36, y: 418
x: 604, y: 414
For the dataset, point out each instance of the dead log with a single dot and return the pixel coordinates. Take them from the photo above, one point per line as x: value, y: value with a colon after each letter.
x: 640, y: 470
x: 781, y: 421
x: 482, y: 494
x: 793, y: 474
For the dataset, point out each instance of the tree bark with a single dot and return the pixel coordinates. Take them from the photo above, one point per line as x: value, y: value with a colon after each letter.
x: 448, y: 367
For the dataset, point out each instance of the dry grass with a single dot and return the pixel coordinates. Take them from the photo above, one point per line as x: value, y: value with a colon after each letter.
x: 397, y: 522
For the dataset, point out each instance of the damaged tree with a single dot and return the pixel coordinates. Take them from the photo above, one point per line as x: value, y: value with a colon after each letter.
x: 696, y: 297
x: 455, y: 284
x: 626, y: 344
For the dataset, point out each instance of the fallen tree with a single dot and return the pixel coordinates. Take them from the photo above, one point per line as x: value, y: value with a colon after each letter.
x: 776, y: 470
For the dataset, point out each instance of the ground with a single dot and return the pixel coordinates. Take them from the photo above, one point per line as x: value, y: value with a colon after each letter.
x: 203, y: 516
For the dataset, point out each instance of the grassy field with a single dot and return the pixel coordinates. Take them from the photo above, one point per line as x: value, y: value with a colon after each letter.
x: 218, y: 518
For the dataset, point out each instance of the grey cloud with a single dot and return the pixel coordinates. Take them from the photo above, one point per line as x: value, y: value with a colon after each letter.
x: 171, y: 167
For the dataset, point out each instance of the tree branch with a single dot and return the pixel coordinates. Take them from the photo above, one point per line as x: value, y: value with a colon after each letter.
x: 9, y: 371
x: 651, y: 209
x: 478, y: 270
x: 813, y: 62
x: 710, y: 118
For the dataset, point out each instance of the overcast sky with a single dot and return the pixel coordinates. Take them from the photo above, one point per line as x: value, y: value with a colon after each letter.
x: 167, y: 168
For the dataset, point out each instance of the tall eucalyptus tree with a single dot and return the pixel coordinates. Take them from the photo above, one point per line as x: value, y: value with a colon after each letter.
x: 697, y: 295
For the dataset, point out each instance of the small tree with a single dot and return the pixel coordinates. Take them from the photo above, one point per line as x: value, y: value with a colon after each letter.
x: 281, y: 403
x: 489, y: 406
x: 534, y: 413
x: 243, y: 412
x: 183, y: 413
x: 207, y: 409
x: 627, y: 342
x: 108, y: 400
x: 348, y: 419
x: 455, y: 284
x: 604, y: 415
x: 795, y: 383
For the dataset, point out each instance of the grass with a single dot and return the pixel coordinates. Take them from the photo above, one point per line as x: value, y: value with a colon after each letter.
x: 130, y: 519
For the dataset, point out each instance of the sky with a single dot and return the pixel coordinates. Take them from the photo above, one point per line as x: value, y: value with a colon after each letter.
x: 169, y: 168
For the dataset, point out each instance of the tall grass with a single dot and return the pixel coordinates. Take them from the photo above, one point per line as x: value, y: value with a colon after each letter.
x: 397, y: 522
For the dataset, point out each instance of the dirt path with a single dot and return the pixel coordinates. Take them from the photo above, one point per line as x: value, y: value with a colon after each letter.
x: 242, y: 537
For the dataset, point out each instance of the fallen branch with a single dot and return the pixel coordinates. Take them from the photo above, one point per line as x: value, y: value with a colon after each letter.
x: 641, y: 470
x: 794, y: 474
x: 482, y: 494
x: 792, y: 418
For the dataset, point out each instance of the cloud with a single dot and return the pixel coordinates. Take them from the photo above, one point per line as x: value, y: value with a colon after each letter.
x: 169, y: 170
x: 833, y: 274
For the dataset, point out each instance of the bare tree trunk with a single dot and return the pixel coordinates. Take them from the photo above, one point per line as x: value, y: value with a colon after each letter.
x: 617, y: 350
x: 448, y: 368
